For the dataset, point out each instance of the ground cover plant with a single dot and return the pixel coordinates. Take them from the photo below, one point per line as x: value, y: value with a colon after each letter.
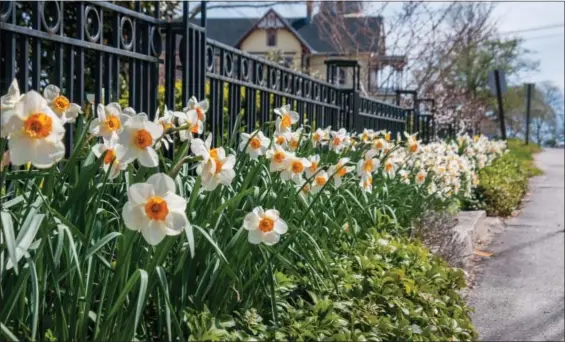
x: 148, y: 224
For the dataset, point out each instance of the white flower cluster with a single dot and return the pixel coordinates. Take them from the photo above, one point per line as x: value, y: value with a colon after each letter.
x: 34, y: 127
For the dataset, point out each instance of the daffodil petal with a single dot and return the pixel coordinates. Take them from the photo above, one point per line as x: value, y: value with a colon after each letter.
x: 162, y: 184
x: 270, y: 238
x: 140, y: 192
x: 175, y: 202
x: 134, y: 216
x: 154, y: 232
x: 176, y: 222
x: 254, y: 236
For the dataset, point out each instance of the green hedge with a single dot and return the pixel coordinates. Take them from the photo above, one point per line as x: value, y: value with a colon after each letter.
x: 383, y: 288
x: 503, y: 184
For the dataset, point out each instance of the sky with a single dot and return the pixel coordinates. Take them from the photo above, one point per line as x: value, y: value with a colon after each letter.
x: 547, y: 44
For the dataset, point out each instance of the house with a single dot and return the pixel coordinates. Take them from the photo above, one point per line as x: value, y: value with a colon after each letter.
x: 339, y: 30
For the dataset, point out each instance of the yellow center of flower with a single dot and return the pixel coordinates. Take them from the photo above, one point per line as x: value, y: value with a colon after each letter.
x: 321, y: 180
x: 61, y: 104
x: 294, y: 144
x: 166, y: 125
x: 336, y: 141
x: 214, y: 153
x: 297, y: 166
x: 142, y: 138
x: 379, y: 145
x: 313, y: 167
x: 112, y: 123
x: 156, y: 208
x: 266, y: 225
x: 316, y: 137
x: 281, y: 140
x: 388, y: 167
x: 194, y: 128
x: 219, y: 166
x: 368, y: 165
x: 255, y: 143
x: 420, y: 177
x: 387, y: 137
x: 368, y: 182
x: 365, y: 137
x: 341, y: 171
x: 200, y: 113
x: 279, y: 157
x: 414, y: 148
x: 38, y: 125
x: 109, y: 156
x: 286, y: 121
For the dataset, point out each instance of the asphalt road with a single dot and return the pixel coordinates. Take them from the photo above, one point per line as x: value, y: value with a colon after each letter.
x: 520, y: 288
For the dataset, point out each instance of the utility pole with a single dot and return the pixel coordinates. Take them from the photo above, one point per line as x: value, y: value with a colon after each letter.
x: 529, y: 91
x: 497, y: 85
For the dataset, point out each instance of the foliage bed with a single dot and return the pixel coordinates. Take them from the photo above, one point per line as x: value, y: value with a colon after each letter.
x: 387, y: 289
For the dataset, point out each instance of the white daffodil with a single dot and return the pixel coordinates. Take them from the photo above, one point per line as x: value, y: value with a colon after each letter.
x: 368, y: 164
x: 366, y: 183
x: 294, y: 169
x: 278, y: 157
x: 321, y: 137
x: 154, y: 209
x: 138, y: 137
x: 216, y: 171
x: 285, y: 118
x: 190, y: 120
x: 320, y: 180
x: 67, y: 111
x: 294, y: 142
x: 338, y: 140
x: 282, y: 139
x: 379, y: 145
x: 200, y: 108
x: 432, y: 188
x: 339, y: 171
x: 367, y: 135
x: 204, y: 149
x: 166, y: 121
x: 264, y: 226
x: 254, y: 144
x: 9, y: 107
x: 420, y: 177
x: 110, y: 121
x: 390, y: 168
x: 314, y: 164
x: 37, y: 133
x: 113, y: 159
x: 404, y: 176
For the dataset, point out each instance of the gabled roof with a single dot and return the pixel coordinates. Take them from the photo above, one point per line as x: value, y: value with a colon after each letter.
x: 283, y: 23
x: 362, y: 36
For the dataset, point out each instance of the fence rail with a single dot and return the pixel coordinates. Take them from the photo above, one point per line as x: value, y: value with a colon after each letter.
x: 117, y: 53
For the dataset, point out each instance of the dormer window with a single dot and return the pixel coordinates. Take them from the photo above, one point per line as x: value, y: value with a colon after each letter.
x: 271, y: 37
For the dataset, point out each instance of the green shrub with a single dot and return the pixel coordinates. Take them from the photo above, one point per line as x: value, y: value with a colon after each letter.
x: 383, y: 288
x: 524, y: 154
x: 501, y: 186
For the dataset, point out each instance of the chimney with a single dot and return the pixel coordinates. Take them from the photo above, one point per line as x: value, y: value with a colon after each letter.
x: 309, y: 9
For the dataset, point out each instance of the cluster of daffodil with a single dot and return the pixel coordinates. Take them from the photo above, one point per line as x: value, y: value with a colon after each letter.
x: 34, y: 127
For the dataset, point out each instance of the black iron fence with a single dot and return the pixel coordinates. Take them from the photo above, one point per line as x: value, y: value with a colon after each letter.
x: 120, y: 53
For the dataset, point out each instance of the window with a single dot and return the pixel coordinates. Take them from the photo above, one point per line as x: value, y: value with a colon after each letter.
x: 271, y: 37
x: 341, y: 76
x: 288, y: 62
